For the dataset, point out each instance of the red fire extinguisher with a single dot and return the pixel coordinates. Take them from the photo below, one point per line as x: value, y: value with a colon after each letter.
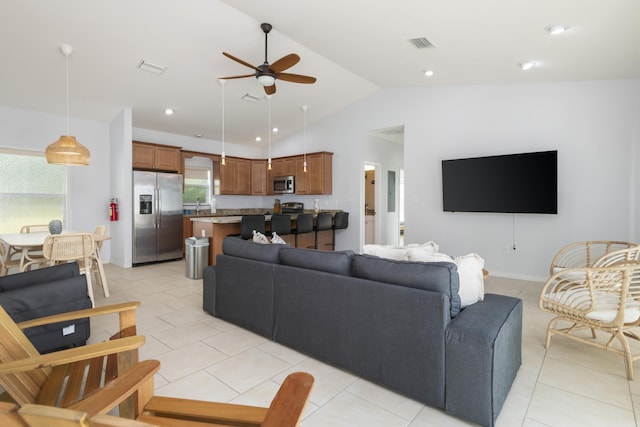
x: 113, y: 210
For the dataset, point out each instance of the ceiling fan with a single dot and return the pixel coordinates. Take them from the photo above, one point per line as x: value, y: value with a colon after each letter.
x: 268, y: 74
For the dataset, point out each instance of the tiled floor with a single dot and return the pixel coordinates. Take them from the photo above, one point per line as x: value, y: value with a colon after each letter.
x: 205, y: 358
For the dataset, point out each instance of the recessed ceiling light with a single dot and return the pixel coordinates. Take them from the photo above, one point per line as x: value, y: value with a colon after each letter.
x: 428, y: 73
x: 258, y: 139
x: 151, y: 67
x: 198, y: 135
x: 556, y: 29
x: 524, y: 66
x: 274, y: 130
x: 168, y: 111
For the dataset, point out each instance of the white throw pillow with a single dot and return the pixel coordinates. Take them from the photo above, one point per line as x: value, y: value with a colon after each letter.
x: 386, y: 251
x: 429, y: 247
x: 259, y: 237
x: 277, y: 239
x: 417, y: 254
x: 471, y: 279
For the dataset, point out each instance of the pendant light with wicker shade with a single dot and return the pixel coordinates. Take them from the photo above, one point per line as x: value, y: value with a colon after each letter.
x: 67, y: 150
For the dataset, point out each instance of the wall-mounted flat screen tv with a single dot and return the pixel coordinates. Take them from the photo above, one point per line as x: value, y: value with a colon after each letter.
x: 513, y: 183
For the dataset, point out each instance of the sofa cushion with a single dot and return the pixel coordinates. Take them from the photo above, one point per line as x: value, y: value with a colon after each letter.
x: 337, y: 262
x: 434, y: 276
x: 40, y: 275
x: 237, y: 247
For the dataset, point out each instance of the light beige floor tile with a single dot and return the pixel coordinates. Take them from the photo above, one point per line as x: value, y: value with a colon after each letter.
x: 329, y: 381
x: 514, y: 410
x: 248, y: 369
x: 200, y: 386
x: 559, y: 408
x: 235, y: 341
x: 349, y: 410
x: 152, y: 348
x: 281, y: 352
x: 401, y: 406
x: 432, y: 417
x: 597, y: 385
x: 188, y: 334
x: 181, y: 362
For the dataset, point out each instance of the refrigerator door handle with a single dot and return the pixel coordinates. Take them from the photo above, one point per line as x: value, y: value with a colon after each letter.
x: 157, y: 215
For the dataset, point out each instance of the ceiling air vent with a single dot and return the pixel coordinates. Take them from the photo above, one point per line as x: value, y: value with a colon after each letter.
x: 421, y: 43
x: 151, y: 67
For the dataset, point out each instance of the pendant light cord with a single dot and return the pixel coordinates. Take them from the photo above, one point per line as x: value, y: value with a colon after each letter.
x: 269, y: 116
x: 67, y: 79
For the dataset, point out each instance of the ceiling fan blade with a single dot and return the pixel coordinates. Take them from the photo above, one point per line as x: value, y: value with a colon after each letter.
x: 285, y: 62
x: 237, y: 77
x: 270, y: 90
x: 296, y: 78
x: 240, y: 61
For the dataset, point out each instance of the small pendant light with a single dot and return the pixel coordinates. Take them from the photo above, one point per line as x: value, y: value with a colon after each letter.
x: 304, y: 139
x: 67, y: 150
x: 269, y: 131
x: 223, y: 161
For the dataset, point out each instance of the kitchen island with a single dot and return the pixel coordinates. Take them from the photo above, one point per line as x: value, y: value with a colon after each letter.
x: 216, y: 228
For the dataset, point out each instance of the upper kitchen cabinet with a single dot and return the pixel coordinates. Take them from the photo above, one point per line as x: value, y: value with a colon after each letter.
x: 156, y: 157
x: 259, y: 177
x: 235, y: 176
x: 284, y: 166
x: 318, y: 178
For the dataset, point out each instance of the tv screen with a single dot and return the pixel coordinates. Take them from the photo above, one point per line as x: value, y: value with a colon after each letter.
x: 514, y: 183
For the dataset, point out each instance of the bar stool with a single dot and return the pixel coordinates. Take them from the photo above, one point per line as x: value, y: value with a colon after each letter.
x: 324, y: 231
x: 248, y: 223
x: 281, y: 225
x: 305, y: 237
x: 340, y: 222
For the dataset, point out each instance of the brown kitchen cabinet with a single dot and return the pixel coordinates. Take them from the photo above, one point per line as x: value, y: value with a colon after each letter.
x: 235, y: 176
x: 259, y: 178
x: 318, y: 178
x: 149, y: 156
x: 187, y: 231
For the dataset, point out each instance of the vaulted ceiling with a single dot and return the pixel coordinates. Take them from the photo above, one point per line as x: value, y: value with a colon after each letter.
x: 352, y: 48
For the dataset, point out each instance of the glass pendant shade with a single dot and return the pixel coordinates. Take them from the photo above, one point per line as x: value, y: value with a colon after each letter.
x: 67, y: 151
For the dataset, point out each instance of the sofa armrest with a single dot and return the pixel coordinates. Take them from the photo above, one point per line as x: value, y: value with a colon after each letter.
x: 483, y: 354
x: 40, y: 275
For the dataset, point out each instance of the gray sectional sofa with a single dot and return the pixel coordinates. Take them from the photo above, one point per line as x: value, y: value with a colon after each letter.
x: 394, y: 323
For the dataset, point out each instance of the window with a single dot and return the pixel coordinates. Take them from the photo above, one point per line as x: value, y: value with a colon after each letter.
x: 31, y: 190
x: 197, y: 184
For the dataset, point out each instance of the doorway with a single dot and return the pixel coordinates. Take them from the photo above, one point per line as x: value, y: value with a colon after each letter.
x: 370, y: 204
x: 383, y: 155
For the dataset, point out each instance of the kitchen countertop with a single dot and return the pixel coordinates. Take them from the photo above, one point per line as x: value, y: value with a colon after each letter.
x: 235, y: 219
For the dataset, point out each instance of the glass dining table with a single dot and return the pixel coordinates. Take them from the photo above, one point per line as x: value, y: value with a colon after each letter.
x: 28, y: 243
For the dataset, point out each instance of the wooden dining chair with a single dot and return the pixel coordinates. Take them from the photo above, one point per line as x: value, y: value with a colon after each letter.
x: 97, y: 267
x: 79, y: 247
x: 74, y: 379
x: 6, y: 262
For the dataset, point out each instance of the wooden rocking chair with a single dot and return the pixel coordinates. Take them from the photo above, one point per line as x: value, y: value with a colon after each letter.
x: 605, y: 299
x: 74, y: 379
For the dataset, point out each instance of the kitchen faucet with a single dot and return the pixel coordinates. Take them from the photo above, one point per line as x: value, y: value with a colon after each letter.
x: 197, y: 204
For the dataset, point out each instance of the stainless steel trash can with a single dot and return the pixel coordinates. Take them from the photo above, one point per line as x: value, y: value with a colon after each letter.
x: 196, y: 256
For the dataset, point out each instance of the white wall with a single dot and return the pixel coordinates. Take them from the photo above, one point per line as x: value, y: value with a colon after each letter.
x: 88, y: 200
x: 593, y: 125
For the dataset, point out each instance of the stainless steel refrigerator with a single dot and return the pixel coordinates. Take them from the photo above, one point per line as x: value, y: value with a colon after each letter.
x: 157, y: 216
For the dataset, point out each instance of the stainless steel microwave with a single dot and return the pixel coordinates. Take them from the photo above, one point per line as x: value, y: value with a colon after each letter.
x: 284, y: 184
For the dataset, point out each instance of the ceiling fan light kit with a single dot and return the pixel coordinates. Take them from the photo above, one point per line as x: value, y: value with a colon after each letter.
x: 67, y: 150
x: 266, y: 73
